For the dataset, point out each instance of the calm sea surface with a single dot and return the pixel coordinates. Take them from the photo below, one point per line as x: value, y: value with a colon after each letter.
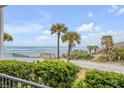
x: 34, y: 50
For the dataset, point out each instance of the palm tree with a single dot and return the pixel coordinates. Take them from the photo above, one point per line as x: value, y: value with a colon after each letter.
x: 109, y: 48
x: 95, y: 48
x: 7, y: 37
x: 72, y: 38
x: 58, y: 29
x: 89, y: 47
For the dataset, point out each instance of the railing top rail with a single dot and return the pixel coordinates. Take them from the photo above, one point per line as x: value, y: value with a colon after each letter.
x: 36, y: 85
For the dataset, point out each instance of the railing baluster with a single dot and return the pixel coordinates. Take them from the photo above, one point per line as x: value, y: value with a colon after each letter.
x: 21, y: 85
x: 5, y: 83
x: 12, y: 84
x: 10, y: 81
x: 2, y: 82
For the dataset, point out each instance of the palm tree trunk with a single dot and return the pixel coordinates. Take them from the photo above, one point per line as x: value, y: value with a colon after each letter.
x: 69, y: 50
x: 58, y: 46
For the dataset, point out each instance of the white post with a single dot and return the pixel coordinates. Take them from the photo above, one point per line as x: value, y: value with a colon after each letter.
x: 1, y: 34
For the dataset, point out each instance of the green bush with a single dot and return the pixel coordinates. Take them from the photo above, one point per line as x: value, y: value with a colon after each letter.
x: 79, y: 83
x: 120, y: 52
x: 80, y: 54
x: 16, y: 68
x: 51, y: 73
x: 57, y: 73
x: 101, y: 79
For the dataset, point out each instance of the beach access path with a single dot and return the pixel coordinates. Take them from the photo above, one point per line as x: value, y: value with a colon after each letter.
x: 101, y: 66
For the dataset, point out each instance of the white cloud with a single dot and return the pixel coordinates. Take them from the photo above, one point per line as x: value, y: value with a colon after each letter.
x: 117, y: 35
x: 33, y: 34
x: 120, y: 11
x: 98, y: 28
x: 116, y: 10
x: 113, y: 8
x: 23, y: 28
x: 88, y: 27
x: 46, y: 32
x: 45, y: 35
x: 85, y: 27
x: 84, y: 37
x: 90, y: 14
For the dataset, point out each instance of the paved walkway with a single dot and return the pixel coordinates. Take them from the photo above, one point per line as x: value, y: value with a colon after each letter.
x: 100, y: 66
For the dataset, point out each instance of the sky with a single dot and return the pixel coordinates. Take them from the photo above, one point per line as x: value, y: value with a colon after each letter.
x: 30, y: 25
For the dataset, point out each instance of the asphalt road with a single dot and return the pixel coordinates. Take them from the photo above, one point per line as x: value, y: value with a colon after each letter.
x: 100, y: 66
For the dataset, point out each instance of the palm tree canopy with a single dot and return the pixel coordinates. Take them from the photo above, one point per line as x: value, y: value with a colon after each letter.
x: 58, y: 28
x: 7, y: 37
x: 89, y: 47
x: 107, y: 40
x: 72, y: 38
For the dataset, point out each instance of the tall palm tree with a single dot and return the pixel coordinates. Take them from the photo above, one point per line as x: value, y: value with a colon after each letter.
x: 107, y: 41
x: 72, y: 38
x: 58, y: 29
x: 109, y: 47
x: 7, y: 37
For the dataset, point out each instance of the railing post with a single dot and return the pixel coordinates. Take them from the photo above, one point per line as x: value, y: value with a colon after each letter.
x: 1, y: 33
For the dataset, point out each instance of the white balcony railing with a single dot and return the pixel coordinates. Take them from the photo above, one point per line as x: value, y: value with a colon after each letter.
x: 7, y: 81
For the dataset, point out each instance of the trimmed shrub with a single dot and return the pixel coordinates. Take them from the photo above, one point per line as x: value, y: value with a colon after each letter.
x: 101, y: 79
x: 16, y: 68
x: 57, y: 73
x: 51, y: 73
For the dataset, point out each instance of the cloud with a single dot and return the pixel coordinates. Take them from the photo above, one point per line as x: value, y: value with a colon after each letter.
x: 120, y: 11
x: 90, y: 14
x: 116, y: 10
x: 45, y: 35
x: 85, y: 27
x: 46, y: 32
x: 88, y: 27
x: 29, y: 34
x: 84, y: 37
x: 23, y: 28
x: 113, y: 8
x: 98, y: 28
x: 117, y: 35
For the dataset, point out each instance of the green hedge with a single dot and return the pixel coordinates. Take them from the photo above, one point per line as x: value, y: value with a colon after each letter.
x: 57, y: 73
x: 16, y: 68
x: 51, y: 73
x: 101, y: 79
x: 61, y: 74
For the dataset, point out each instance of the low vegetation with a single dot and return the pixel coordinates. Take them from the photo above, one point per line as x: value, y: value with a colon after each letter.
x: 57, y: 74
x: 79, y: 54
x: 120, y: 53
x: 50, y: 73
x: 62, y: 74
x: 100, y: 79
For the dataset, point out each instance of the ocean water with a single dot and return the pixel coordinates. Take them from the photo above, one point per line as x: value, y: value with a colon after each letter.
x: 34, y: 51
